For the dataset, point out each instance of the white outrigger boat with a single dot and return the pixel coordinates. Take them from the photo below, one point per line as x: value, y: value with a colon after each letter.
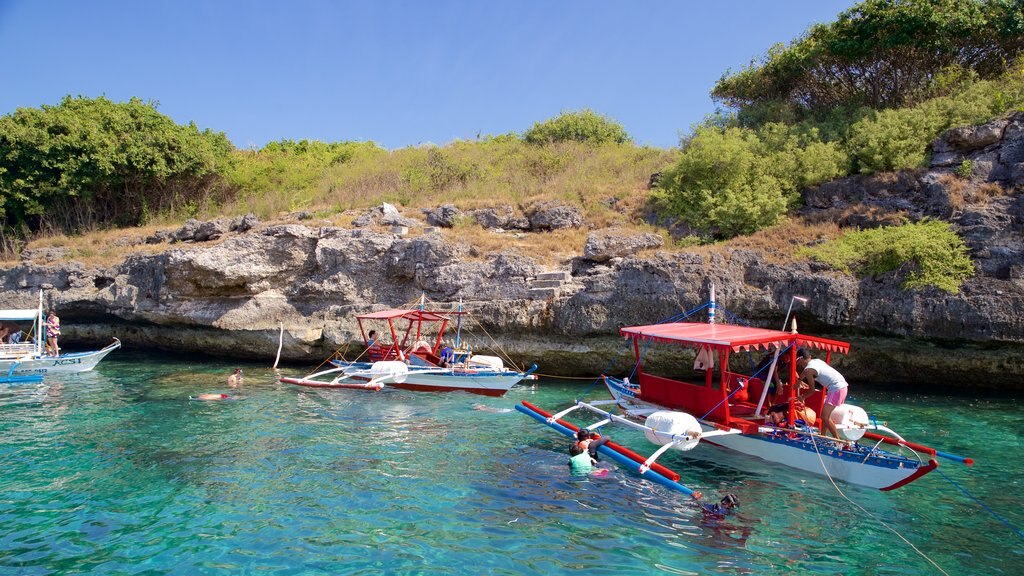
x: 730, y: 410
x: 410, y: 353
x: 23, y: 362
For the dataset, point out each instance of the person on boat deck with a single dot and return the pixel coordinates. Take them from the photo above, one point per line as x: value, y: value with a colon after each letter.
x: 775, y: 388
x: 10, y: 332
x: 52, y: 332
x: 235, y: 380
x: 371, y: 339
x: 811, y: 369
x: 778, y: 415
x: 447, y: 356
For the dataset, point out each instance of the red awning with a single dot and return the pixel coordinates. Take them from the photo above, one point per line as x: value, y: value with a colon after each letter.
x: 424, y: 315
x: 728, y: 336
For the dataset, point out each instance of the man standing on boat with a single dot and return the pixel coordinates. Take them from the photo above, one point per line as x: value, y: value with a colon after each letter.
x: 811, y: 369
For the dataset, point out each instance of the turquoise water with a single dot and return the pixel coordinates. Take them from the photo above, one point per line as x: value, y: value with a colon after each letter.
x: 117, y: 472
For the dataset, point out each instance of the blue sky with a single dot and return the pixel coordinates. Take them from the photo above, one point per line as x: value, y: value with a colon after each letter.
x: 396, y: 73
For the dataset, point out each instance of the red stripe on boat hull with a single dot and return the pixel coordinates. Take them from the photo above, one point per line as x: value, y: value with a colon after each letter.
x: 932, y: 465
x: 429, y: 388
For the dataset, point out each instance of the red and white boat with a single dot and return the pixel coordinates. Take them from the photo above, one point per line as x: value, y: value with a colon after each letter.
x: 728, y: 409
x: 409, y: 351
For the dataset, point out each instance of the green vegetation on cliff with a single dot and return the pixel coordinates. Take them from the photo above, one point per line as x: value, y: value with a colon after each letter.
x: 864, y: 94
x: 928, y: 252
x: 88, y: 162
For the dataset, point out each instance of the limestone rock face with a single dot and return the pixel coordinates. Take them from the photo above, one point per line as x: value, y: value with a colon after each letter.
x: 554, y: 216
x: 605, y: 245
x: 229, y: 298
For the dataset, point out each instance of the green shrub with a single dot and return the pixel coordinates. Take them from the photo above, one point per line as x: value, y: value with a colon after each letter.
x: 965, y: 168
x: 737, y: 181
x: 582, y: 126
x: 94, y: 162
x: 928, y: 252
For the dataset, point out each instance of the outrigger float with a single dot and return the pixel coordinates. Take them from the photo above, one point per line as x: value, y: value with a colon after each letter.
x: 28, y: 362
x: 732, y: 410
x: 409, y: 352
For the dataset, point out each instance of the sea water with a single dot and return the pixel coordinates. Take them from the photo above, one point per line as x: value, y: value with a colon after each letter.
x: 117, y: 472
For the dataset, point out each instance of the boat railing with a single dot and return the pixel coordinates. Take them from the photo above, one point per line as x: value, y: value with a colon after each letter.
x: 17, y: 350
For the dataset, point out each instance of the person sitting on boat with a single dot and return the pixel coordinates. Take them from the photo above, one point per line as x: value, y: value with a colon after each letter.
x: 447, y: 356
x: 811, y: 370
x: 778, y: 415
x: 52, y: 333
x: 10, y: 332
x: 235, y: 380
x: 723, y: 507
x: 781, y: 373
x: 371, y: 339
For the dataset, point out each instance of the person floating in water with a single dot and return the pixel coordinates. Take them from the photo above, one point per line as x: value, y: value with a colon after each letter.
x: 583, y: 453
x: 235, y: 380
x: 723, y: 508
x: 209, y: 397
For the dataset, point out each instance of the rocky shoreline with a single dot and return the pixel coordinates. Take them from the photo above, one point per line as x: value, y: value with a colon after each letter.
x: 229, y: 298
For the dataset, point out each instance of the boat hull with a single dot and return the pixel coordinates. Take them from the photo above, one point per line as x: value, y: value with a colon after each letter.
x: 483, y: 383
x: 67, y: 364
x: 854, y: 465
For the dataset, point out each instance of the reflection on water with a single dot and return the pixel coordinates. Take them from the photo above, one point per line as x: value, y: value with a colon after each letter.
x: 116, y: 471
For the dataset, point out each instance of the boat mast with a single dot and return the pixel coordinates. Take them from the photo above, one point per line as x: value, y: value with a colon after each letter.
x: 40, y: 330
x: 711, y: 306
x: 458, y: 326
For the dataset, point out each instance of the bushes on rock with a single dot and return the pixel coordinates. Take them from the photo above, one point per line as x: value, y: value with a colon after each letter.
x: 735, y: 181
x: 583, y: 126
x: 928, y: 252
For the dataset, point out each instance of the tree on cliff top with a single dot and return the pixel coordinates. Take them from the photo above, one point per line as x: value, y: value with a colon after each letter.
x: 882, y: 53
x: 93, y: 162
x: 583, y: 126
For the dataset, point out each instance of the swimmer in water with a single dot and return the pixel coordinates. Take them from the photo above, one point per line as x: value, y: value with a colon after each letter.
x: 210, y: 397
x: 235, y: 380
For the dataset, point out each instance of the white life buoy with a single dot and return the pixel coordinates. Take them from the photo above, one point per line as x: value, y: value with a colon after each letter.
x: 666, y: 424
x: 851, y: 421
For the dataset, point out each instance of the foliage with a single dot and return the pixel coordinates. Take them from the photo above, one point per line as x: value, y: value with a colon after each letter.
x: 735, y: 180
x: 882, y: 53
x: 965, y: 168
x: 288, y: 167
x: 89, y: 162
x: 899, y: 138
x: 929, y: 252
x: 582, y: 126
x: 492, y: 171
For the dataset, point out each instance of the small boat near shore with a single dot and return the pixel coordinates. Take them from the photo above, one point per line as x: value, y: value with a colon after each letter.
x: 27, y: 361
x: 405, y: 348
x: 727, y: 408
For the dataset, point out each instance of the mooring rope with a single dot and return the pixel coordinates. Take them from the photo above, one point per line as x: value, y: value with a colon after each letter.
x: 814, y: 442
x: 982, y: 504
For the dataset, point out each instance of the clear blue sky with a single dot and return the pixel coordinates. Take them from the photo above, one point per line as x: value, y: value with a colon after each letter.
x: 396, y: 73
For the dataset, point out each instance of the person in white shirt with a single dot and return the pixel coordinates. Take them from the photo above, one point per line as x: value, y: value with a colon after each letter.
x: 811, y: 369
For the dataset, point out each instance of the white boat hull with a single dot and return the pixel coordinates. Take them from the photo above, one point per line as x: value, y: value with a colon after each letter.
x: 861, y: 466
x: 67, y: 364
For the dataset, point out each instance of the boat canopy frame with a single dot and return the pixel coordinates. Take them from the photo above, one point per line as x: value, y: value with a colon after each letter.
x: 723, y: 340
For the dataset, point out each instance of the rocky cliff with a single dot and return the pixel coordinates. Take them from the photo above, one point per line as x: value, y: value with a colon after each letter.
x: 228, y: 297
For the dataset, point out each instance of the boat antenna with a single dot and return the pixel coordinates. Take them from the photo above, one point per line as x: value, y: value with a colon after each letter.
x: 791, y: 300
x: 711, y: 305
x: 458, y: 326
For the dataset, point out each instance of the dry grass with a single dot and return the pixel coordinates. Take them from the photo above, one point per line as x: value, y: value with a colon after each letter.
x: 777, y: 244
x: 551, y: 249
x: 100, y: 248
